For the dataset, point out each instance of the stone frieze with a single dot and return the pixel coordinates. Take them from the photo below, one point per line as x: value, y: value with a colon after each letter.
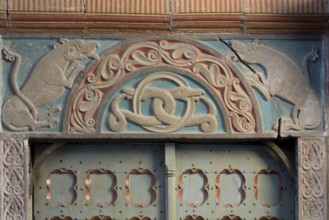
x: 162, y: 85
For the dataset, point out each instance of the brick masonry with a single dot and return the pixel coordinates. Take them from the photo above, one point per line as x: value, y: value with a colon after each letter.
x: 164, y: 15
x: 161, y: 7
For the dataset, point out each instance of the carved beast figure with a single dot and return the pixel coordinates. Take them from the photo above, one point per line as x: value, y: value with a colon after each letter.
x: 284, y: 80
x: 54, y: 72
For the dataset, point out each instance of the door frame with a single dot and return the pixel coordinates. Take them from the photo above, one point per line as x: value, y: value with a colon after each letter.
x: 311, y: 161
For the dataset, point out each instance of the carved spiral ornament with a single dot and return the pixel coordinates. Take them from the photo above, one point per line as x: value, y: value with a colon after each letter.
x: 218, y: 73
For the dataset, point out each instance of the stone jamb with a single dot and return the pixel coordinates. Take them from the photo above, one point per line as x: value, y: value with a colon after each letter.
x: 312, y: 178
x: 14, y: 169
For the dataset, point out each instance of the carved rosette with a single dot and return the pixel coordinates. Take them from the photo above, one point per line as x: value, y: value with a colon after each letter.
x: 13, y: 184
x: 215, y: 71
x: 312, y: 178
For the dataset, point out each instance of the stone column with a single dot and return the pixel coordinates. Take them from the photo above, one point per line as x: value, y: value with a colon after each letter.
x: 312, y: 178
x: 14, y: 164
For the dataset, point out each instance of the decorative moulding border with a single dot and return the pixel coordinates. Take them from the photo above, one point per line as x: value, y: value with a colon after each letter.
x: 14, y: 175
x: 312, y: 178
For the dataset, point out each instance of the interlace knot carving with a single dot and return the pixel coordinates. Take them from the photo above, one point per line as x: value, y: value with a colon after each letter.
x: 163, y: 107
x: 219, y: 73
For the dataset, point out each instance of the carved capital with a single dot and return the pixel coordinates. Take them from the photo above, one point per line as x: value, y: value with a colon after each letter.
x: 13, y: 170
x: 312, y: 178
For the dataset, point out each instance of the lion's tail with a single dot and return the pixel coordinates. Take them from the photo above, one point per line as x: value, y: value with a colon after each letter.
x: 17, y: 60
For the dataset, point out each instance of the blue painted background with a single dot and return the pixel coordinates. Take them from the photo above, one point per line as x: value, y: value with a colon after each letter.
x: 31, y: 50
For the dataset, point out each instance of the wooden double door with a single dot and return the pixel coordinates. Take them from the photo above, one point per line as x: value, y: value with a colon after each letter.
x: 160, y: 181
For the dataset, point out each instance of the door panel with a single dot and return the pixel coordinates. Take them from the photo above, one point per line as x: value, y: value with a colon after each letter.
x: 232, y: 182
x: 127, y: 181
x: 101, y: 182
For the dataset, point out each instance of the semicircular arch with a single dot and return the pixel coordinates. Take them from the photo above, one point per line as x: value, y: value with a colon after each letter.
x: 235, y: 97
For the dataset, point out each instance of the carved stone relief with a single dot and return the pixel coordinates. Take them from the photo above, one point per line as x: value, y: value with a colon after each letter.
x: 284, y: 80
x: 240, y: 108
x: 164, y: 119
x: 13, y: 194
x: 58, y: 70
x: 54, y: 72
x: 312, y: 178
x: 37, y: 105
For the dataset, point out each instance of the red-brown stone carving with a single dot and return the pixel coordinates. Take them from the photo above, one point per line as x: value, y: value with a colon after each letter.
x: 216, y: 72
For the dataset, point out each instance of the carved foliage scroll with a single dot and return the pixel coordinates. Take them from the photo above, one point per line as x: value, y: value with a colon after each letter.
x: 213, y: 70
x: 13, y: 186
x: 312, y: 178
